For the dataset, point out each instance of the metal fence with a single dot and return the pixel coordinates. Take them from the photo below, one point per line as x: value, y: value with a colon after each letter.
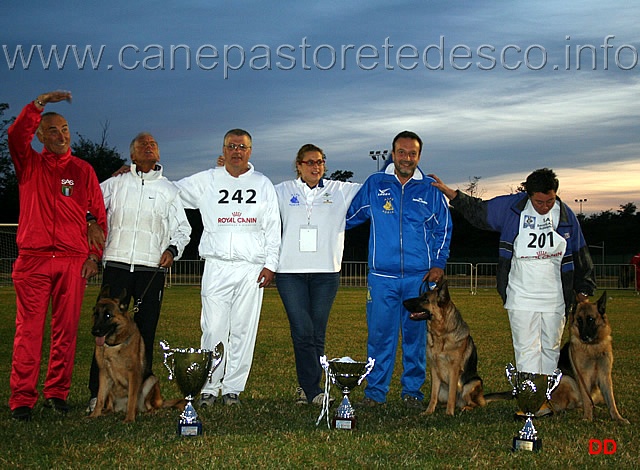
x: 468, y: 276
x: 608, y: 276
x: 353, y: 274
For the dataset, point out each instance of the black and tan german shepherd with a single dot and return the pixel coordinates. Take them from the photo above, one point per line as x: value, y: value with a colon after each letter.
x: 120, y: 356
x: 451, y: 352
x: 586, y: 361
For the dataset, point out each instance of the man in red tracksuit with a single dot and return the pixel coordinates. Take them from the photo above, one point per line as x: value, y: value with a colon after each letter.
x: 54, y: 258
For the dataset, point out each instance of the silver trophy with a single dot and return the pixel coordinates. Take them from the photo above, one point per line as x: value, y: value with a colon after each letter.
x: 191, y: 368
x: 531, y: 391
x: 347, y: 374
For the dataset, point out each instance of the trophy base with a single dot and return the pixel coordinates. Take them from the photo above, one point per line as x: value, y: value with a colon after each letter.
x: 344, y: 423
x: 532, y: 445
x: 189, y: 429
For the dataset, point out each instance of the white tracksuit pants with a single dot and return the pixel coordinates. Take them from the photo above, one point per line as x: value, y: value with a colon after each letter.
x: 231, y: 303
x: 536, y: 340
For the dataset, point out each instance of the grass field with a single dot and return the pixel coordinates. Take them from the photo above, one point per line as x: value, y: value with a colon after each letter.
x: 270, y: 431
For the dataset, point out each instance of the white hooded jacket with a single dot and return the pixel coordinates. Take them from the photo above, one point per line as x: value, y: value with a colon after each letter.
x: 145, y: 216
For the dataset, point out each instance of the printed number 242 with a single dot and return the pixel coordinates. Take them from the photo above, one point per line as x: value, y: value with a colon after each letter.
x: 238, y: 196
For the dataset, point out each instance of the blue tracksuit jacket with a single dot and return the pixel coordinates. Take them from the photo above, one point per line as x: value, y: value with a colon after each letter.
x: 410, y: 225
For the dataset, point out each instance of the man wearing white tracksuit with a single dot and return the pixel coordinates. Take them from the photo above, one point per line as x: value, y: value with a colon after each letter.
x: 240, y: 245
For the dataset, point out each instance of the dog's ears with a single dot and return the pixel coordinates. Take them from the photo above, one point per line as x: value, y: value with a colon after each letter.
x: 105, y: 292
x: 602, y: 303
x: 426, y: 286
x: 443, y: 293
x: 121, y: 300
x: 574, y: 304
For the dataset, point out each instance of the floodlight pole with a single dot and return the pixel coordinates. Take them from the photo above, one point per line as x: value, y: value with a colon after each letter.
x: 378, y: 155
x: 581, y: 201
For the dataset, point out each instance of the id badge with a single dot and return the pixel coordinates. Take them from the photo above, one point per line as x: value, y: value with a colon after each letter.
x: 308, y: 238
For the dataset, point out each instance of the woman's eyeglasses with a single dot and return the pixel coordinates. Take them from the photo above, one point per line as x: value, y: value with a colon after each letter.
x: 311, y: 163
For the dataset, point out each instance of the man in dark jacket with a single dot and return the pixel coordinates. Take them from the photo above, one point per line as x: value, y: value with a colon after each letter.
x: 543, y: 263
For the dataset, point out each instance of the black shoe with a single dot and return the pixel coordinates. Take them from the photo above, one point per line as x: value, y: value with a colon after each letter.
x: 369, y: 403
x: 21, y: 413
x: 412, y: 402
x: 58, y: 404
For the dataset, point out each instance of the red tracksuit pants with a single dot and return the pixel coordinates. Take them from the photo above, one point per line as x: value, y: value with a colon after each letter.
x: 38, y: 280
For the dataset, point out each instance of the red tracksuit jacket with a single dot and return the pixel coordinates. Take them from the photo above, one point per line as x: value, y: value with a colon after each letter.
x: 56, y: 191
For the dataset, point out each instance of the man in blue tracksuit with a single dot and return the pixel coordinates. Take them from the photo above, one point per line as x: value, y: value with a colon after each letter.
x: 408, y: 244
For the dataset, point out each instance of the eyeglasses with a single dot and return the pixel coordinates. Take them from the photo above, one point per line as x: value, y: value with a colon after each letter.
x: 241, y: 147
x: 311, y: 163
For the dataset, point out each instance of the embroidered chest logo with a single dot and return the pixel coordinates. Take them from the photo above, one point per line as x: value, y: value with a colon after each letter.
x: 387, y: 208
x: 294, y: 201
x: 326, y: 198
x: 66, y: 187
x: 420, y: 200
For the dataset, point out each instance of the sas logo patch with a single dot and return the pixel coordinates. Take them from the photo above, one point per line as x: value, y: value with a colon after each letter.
x: 66, y: 187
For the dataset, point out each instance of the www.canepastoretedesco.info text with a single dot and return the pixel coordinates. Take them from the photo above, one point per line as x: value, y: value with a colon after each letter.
x: 307, y: 56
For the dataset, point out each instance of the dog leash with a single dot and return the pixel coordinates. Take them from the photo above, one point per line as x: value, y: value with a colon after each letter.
x: 426, y: 286
x: 136, y: 307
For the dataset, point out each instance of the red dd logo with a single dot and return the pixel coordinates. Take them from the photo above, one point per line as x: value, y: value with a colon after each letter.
x: 606, y: 447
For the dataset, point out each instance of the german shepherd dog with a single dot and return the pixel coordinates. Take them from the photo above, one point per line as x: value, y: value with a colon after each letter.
x: 586, y: 361
x: 451, y: 351
x: 120, y: 356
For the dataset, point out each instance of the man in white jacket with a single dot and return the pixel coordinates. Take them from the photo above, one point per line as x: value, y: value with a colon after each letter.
x: 240, y: 245
x: 147, y: 230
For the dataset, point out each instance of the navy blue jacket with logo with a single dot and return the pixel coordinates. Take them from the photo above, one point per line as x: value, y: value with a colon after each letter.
x: 502, y: 214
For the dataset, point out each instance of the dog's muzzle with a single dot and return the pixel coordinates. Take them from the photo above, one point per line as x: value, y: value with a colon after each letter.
x: 416, y: 310
x: 418, y: 316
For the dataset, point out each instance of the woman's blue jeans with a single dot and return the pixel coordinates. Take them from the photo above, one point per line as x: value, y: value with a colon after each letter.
x: 307, y: 298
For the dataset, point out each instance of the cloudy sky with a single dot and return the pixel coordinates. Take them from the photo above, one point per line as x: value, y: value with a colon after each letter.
x: 495, y: 89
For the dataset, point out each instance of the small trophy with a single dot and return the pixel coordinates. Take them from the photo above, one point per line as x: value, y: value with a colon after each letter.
x: 191, y: 369
x: 347, y: 374
x: 531, y: 391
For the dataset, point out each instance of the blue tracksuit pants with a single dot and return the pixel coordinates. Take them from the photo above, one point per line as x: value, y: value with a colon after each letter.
x: 386, y: 318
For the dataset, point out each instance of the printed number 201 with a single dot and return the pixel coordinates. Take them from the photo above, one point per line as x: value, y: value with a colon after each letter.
x: 540, y: 241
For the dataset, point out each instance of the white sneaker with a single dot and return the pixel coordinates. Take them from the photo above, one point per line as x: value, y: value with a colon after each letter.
x: 91, y: 405
x: 206, y: 399
x: 301, y: 397
x: 319, y: 398
x: 231, y: 399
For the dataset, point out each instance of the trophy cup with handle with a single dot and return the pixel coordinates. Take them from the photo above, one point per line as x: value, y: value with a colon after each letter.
x: 191, y: 368
x: 347, y: 374
x: 531, y: 391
